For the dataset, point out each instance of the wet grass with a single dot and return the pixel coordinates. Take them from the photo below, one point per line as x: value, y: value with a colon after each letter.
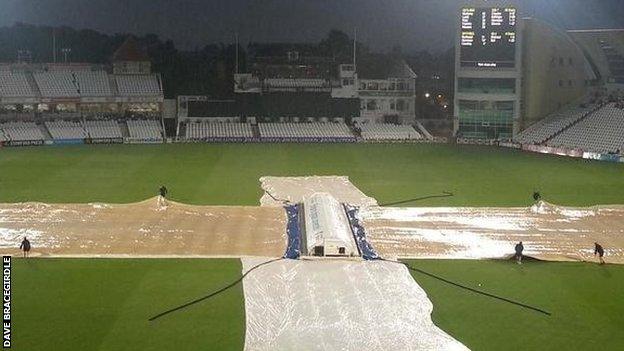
x: 585, y: 301
x: 104, y: 304
x: 72, y: 304
x: 227, y: 174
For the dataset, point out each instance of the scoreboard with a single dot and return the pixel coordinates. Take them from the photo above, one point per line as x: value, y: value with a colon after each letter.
x: 488, y: 37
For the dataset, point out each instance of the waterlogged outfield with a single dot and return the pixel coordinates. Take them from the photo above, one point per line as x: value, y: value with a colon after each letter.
x: 585, y: 300
x: 104, y: 304
x: 74, y: 304
x: 227, y: 174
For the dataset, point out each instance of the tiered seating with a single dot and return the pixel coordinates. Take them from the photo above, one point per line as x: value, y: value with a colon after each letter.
x: 60, y: 115
x: 138, y: 85
x: 66, y: 130
x: 14, y: 84
x: 546, y: 128
x: 21, y: 131
x: 56, y: 84
x: 2, y: 136
x: 287, y: 84
x: 93, y: 83
x: 102, y: 115
x: 103, y: 129
x: 304, y: 130
x: 602, y: 131
x: 203, y: 130
x: 294, y: 83
x: 388, y: 132
x: 145, y: 129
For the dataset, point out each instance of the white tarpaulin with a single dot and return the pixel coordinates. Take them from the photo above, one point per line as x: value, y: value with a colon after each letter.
x: 338, y: 305
x: 295, y: 189
x: 326, y: 225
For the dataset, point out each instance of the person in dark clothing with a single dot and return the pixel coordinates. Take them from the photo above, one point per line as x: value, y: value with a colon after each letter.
x: 519, y: 248
x: 162, y: 199
x: 163, y: 191
x: 537, y: 196
x: 598, y: 250
x: 25, y: 246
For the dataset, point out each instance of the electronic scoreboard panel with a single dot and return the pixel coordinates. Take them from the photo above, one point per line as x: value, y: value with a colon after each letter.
x: 488, y: 37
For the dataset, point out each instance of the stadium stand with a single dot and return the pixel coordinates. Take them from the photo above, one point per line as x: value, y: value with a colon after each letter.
x: 138, y: 85
x: 305, y: 130
x: 66, y: 130
x: 60, y: 115
x: 288, y: 84
x: 2, y: 136
x: 93, y: 83
x: 145, y: 129
x: 388, y: 132
x: 615, y: 61
x: 14, y: 84
x: 204, y: 130
x: 56, y: 84
x: 550, y: 126
x: 21, y: 131
x: 103, y: 129
x: 601, y: 131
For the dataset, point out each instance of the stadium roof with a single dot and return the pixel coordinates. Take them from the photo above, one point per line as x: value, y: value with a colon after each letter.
x: 130, y: 51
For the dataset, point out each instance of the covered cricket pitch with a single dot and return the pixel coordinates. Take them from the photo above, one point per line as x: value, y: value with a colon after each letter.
x: 107, y: 303
x: 166, y: 228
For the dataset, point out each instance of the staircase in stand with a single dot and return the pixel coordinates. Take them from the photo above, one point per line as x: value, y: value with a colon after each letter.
x: 255, y: 130
x: 125, y: 132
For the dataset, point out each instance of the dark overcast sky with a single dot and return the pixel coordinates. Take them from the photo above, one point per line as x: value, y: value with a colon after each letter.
x: 413, y: 24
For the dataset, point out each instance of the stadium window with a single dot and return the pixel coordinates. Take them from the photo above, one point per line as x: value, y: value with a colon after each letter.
x: 561, y: 83
x: 371, y: 105
x: 570, y: 83
x: 400, y: 105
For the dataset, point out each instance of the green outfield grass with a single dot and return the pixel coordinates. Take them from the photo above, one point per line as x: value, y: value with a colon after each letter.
x: 86, y: 304
x: 104, y: 304
x: 228, y: 174
x: 585, y: 301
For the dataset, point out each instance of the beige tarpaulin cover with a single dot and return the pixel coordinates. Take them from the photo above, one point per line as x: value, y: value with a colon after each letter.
x: 146, y: 228
x: 143, y: 229
x: 548, y: 232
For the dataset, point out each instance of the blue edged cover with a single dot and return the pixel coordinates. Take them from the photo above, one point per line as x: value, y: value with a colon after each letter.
x: 293, y: 248
x: 366, y: 249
